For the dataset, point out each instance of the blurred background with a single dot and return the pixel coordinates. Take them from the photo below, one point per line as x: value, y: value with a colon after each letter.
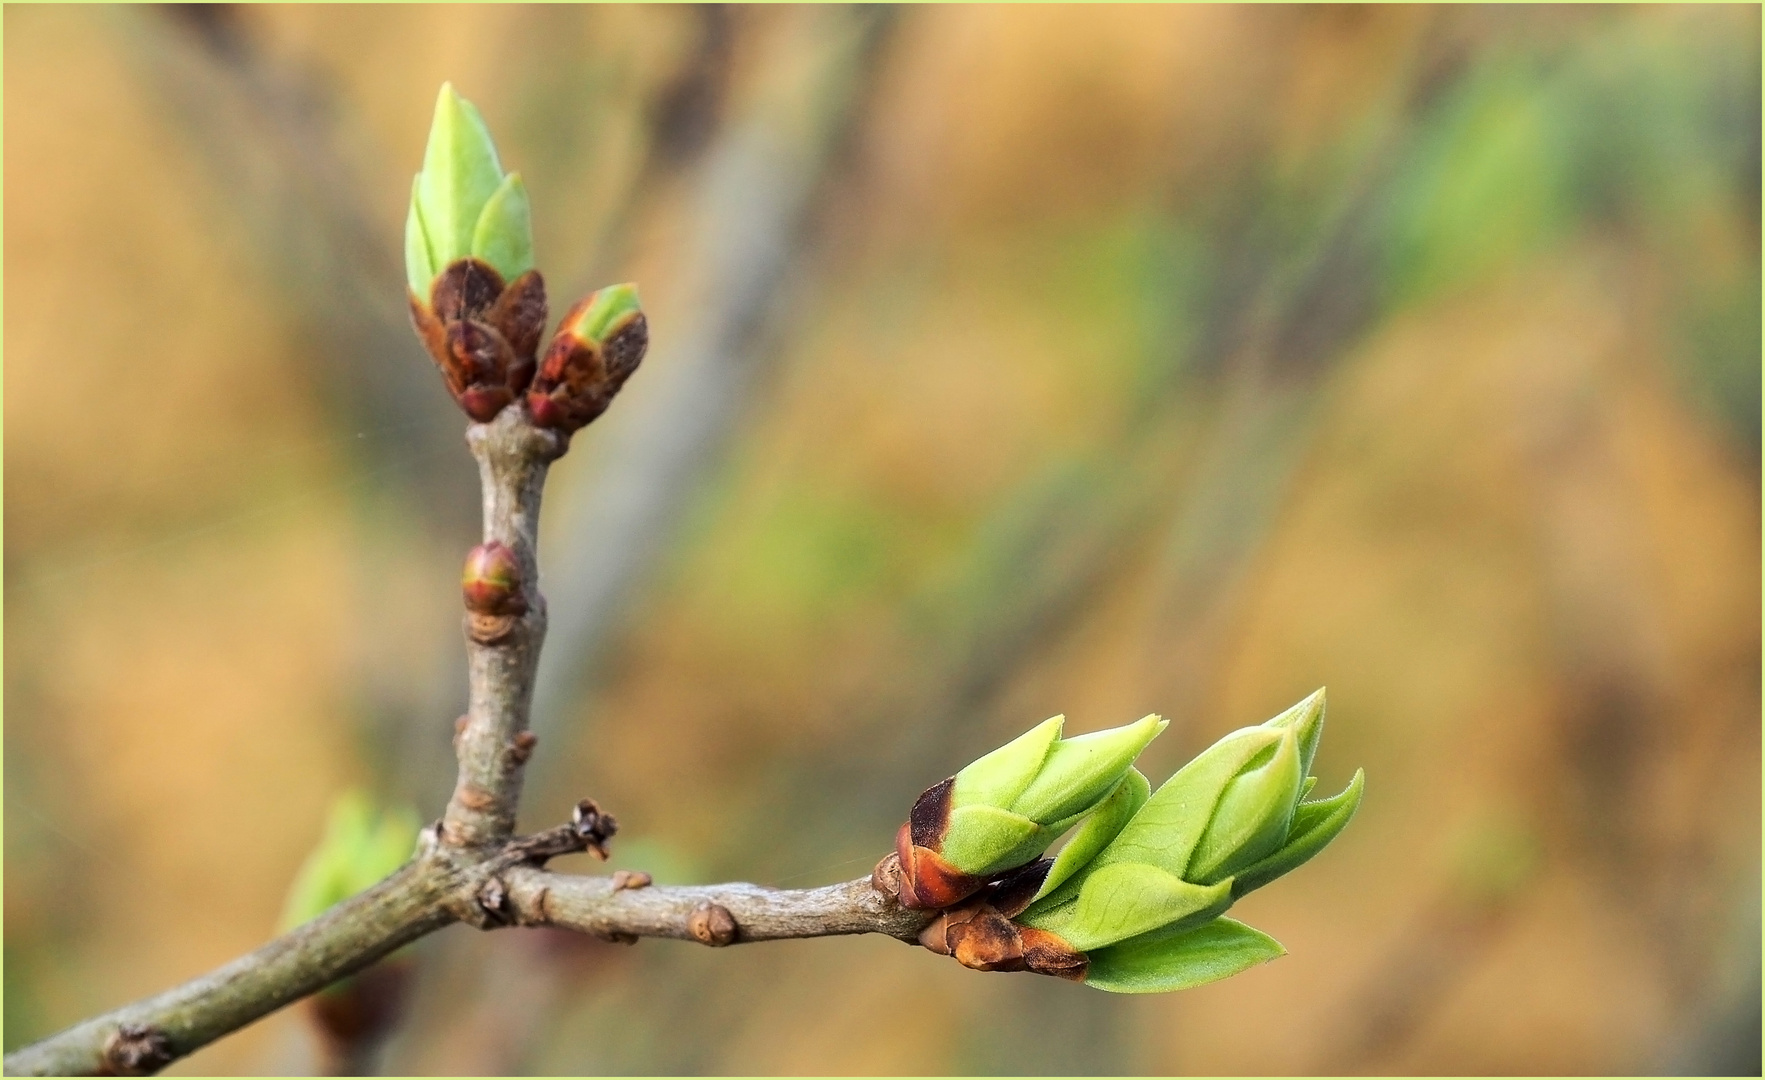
x: 1006, y: 361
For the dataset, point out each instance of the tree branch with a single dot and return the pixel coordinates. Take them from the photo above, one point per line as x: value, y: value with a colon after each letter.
x: 513, y: 457
x: 144, y: 1037
x: 441, y: 886
x: 598, y: 906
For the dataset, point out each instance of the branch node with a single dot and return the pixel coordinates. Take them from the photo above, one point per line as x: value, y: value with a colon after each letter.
x: 593, y: 826
x: 630, y: 879
x: 521, y: 747
x: 137, y: 1050
x: 473, y: 797
x: 713, y: 925
x: 492, y: 904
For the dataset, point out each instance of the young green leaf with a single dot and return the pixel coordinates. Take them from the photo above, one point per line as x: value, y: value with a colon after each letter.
x: 1125, y: 900
x: 1165, y: 831
x: 1095, y: 833
x: 984, y: 839
x: 460, y: 173
x: 503, y: 236
x: 999, y: 777
x: 1215, y: 950
x: 1082, y: 770
x: 1315, y: 824
x: 1252, y: 815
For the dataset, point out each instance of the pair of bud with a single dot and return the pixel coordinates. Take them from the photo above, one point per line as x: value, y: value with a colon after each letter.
x: 478, y: 304
x: 1134, y: 901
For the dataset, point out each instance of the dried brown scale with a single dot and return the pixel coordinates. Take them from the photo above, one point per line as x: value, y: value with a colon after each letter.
x: 493, y: 900
x: 886, y: 877
x: 983, y: 937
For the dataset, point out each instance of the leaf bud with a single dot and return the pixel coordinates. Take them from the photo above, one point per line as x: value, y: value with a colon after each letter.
x: 1004, y: 809
x: 1141, y: 889
x: 597, y: 347
x: 491, y: 581
x: 476, y: 301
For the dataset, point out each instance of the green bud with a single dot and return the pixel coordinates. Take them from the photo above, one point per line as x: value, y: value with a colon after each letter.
x: 1096, y: 831
x: 1156, y: 963
x: 1139, y: 902
x: 1007, y: 807
x: 1166, y: 830
x: 462, y: 205
x: 1307, y: 718
x: 1081, y: 771
x: 598, y: 346
x: 606, y: 309
x: 1314, y: 825
x: 1252, y: 815
x: 360, y: 847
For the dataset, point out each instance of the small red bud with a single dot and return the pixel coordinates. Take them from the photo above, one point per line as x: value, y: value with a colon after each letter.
x: 492, y: 581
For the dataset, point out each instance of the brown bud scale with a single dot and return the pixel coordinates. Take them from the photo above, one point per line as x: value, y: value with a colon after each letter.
x: 927, y: 881
x: 482, y: 333
x: 578, y: 378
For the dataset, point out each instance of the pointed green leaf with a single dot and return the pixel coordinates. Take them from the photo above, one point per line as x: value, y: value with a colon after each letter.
x: 607, y: 306
x: 1129, y: 899
x: 460, y: 173
x: 1165, y: 831
x: 983, y: 839
x: 1098, y: 830
x: 1308, y: 717
x: 1081, y: 771
x: 419, y: 265
x: 1252, y: 816
x: 504, y: 234
x: 1314, y: 825
x: 1305, y: 788
x: 1215, y: 950
x: 998, y: 778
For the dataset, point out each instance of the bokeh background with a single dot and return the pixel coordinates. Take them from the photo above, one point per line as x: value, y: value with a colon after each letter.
x: 1006, y: 361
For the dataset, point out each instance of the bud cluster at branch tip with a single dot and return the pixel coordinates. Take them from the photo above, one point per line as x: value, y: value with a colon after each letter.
x: 478, y: 304
x: 1134, y: 902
